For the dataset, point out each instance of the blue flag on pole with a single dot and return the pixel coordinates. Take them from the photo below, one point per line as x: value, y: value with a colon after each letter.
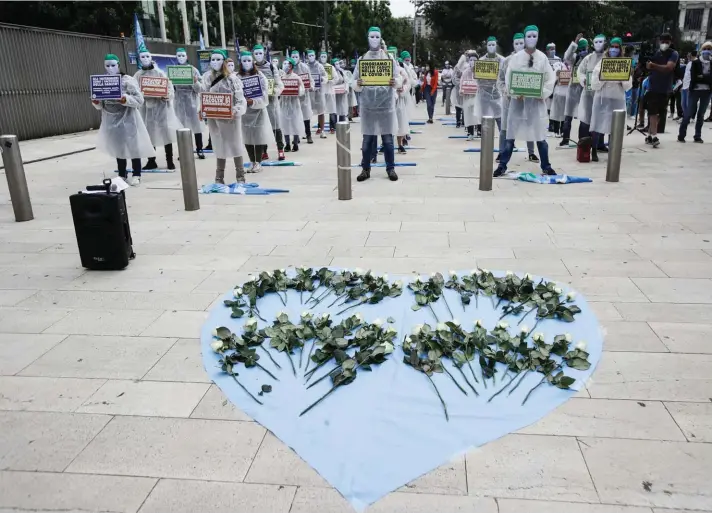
x: 200, y: 37
x: 140, y: 43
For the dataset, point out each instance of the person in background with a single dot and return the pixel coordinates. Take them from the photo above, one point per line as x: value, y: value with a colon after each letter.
x: 412, y: 81
x: 430, y: 89
x: 573, y: 56
x: 227, y: 132
x: 699, y: 92
x: 555, y: 61
x: 349, y: 81
x: 291, y: 109
x: 317, y: 97
x: 270, y: 70
x: 256, y: 128
x: 122, y: 133
x: 676, y: 95
x: 468, y: 96
x: 402, y: 92
x: 341, y: 99
x: 418, y: 87
x: 661, y: 67
x: 686, y: 80
x: 300, y: 69
x: 446, y: 79
x: 585, y: 71
x: 187, y: 103
x: 608, y: 96
x: 638, y: 76
x: 488, y: 101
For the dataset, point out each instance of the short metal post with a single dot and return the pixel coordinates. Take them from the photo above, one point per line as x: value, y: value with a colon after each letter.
x: 187, y: 169
x: 486, y: 153
x: 16, y: 181
x: 615, y: 146
x: 343, y: 159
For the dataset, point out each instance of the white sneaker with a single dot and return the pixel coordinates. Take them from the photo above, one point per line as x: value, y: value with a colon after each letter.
x: 322, y: 135
x: 257, y: 167
x: 470, y: 137
x: 135, y: 181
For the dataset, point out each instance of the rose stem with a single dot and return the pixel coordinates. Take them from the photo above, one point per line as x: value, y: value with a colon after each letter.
x: 433, y: 311
x: 324, y: 376
x: 532, y: 390
x: 498, y: 302
x: 350, y: 307
x: 319, y: 400
x: 505, y: 386
x: 301, y: 353
x: 439, y: 397
x: 246, y: 391
x: 467, y: 380
x: 535, y: 325
x: 311, y: 372
x: 453, y: 379
x: 335, y: 300
x: 268, y: 372
x: 290, y: 361
x: 448, y: 306
x: 309, y: 355
x: 270, y: 357
x: 473, y: 372
x: 321, y: 298
x: 301, y: 295
x: 519, y: 382
x: 280, y: 298
x: 525, y: 315
x: 477, y: 298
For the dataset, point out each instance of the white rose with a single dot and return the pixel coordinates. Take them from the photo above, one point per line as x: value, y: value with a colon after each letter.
x: 453, y: 273
x: 391, y: 329
x: 269, y: 273
x: 304, y: 268
x: 568, y: 337
x: 485, y: 271
x: 306, y: 315
x: 570, y: 296
x: 398, y: 284
x: 388, y: 347
x: 478, y: 323
x: 503, y: 325
x: 475, y: 272
x: 378, y: 322
x: 214, y: 332
x: 325, y: 315
x: 385, y: 277
x: 254, y: 278
x: 359, y: 317
x: 416, y: 329
x: 237, y: 293
x: 283, y: 271
x: 557, y: 290
x: 216, y: 346
x: 509, y: 273
x: 408, y: 339
x: 251, y: 322
x: 358, y: 271
x: 581, y: 345
x: 281, y: 312
x: 432, y: 275
x: 441, y: 326
x: 539, y: 336
x: 524, y: 329
x: 528, y: 276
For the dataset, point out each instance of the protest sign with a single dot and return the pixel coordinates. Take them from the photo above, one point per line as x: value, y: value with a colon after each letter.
x: 154, y: 87
x: 291, y: 87
x: 615, y: 69
x: 526, y: 83
x: 180, y: 75
x: 564, y: 78
x: 375, y: 72
x: 105, y: 87
x: 306, y: 80
x: 216, y: 105
x: 329, y: 71
x: 316, y: 77
x: 270, y: 87
x: 251, y: 87
x: 204, y: 60
x: 575, y: 77
x: 589, y: 86
x: 468, y: 87
x: 486, y: 70
x: 339, y: 89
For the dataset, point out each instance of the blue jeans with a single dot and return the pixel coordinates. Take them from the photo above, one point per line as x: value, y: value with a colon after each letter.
x: 503, y: 141
x: 633, y: 107
x: 370, y: 146
x: 430, y: 100
x: 685, y: 96
x: 542, y: 146
x: 697, y: 102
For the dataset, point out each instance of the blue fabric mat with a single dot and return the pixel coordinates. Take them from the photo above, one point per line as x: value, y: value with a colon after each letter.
x: 496, y: 150
x: 204, y: 151
x: 143, y: 171
x: 546, y: 179
x: 276, y: 163
x: 245, y: 189
x: 383, y: 164
x: 416, y: 131
x: 416, y: 123
x: 388, y: 428
x: 460, y: 137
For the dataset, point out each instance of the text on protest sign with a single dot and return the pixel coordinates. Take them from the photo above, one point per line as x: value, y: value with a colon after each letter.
x: 204, y: 60
x: 105, y: 87
x: 291, y: 87
x: 486, y: 70
x: 375, y: 72
x: 316, y: 77
x: 589, y: 86
x: 154, y: 87
x: 526, y: 83
x: 251, y: 87
x: 615, y: 69
x: 180, y: 75
x: 564, y: 78
x: 468, y: 86
x: 270, y: 87
x: 306, y: 80
x: 216, y: 105
x: 339, y: 89
x: 329, y: 71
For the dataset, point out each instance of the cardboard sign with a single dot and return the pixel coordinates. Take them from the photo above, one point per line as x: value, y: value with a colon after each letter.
x: 306, y: 80
x: 251, y: 87
x: 615, y: 69
x: 316, y: 77
x: 204, y: 60
x: 339, y: 89
x: 468, y: 87
x: 589, y: 86
x: 564, y: 78
x: 180, y: 75
x: 105, y: 87
x: 375, y: 72
x: 486, y: 70
x: 291, y: 87
x: 154, y: 87
x: 270, y: 87
x: 329, y: 71
x: 575, y: 77
x: 526, y: 83
x: 216, y: 105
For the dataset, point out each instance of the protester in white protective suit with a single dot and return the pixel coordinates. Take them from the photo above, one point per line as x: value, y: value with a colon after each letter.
x: 256, y: 128
x: 527, y: 118
x: 157, y: 113
x: 226, y: 133
x: 187, y: 103
x: 555, y: 61
x: 557, y: 103
x: 575, y: 53
x: 291, y: 107
x: 608, y: 96
x: 349, y: 81
x: 446, y: 81
x: 377, y: 106
x: 302, y: 70
x: 341, y: 99
x: 413, y: 82
x: 319, y: 79
x: 403, y: 93
x: 488, y: 101
x: 585, y: 69
x: 273, y: 76
x: 122, y: 133
x: 465, y: 78
x: 329, y: 95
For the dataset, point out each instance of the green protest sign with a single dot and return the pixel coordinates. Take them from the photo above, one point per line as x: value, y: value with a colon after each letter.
x: 180, y: 75
x: 526, y: 83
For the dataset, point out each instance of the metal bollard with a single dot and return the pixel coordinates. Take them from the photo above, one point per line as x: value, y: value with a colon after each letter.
x: 447, y: 101
x: 187, y: 169
x: 486, y: 153
x: 343, y: 159
x: 615, y: 146
x: 16, y: 181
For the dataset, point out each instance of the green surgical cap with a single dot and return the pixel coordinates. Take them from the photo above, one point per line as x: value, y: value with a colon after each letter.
x: 583, y: 43
x: 323, y: 53
x: 600, y: 36
x: 405, y: 54
x: 518, y: 35
x: 309, y: 52
x: 531, y: 28
x: 491, y: 38
x: 393, y: 49
x: 291, y: 61
x: 334, y: 61
x: 142, y: 48
x: 111, y: 57
x: 258, y: 47
x: 181, y: 50
x: 551, y: 45
x: 617, y: 40
x: 245, y: 54
x: 374, y: 29
x: 400, y: 59
x: 295, y: 52
x: 219, y: 51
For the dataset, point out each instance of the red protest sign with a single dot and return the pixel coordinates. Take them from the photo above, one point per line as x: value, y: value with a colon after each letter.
x: 154, y: 87
x: 468, y: 87
x: 291, y: 87
x: 564, y: 77
x: 306, y: 80
x: 216, y: 105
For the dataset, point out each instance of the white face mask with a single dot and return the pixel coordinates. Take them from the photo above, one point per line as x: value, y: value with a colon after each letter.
x: 246, y: 63
x: 182, y: 57
x: 295, y: 58
x: 259, y: 55
x: 216, y: 62
x: 491, y: 47
x: 598, y: 44
x: 531, y: 39
x: 311, y: 57
x: 664, y: 46
x: 231, y: 66
x: 145, y: 59
x: 407, y: 62
x: 374, y: 40
x: 322, y: 59
x: 518, y: 45
x: 111, y: 67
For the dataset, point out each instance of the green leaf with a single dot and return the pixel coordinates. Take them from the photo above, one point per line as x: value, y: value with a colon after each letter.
x: 223, y: 333
x: 565, y: 382
x: 391, y: 320
x: 415, y: 308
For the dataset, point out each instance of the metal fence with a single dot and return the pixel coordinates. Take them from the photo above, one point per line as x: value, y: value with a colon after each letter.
x: 44, y: 78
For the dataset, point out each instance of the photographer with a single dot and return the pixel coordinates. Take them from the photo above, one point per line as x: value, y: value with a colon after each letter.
x: 661, y: 66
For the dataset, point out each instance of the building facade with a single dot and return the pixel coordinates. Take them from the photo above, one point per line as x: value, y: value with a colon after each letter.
x: 695, y: 22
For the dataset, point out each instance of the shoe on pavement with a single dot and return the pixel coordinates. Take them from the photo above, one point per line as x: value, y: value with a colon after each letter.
x: 332, y: 131
x: 201, y: 155
x: 295, y: 148
x: 135, y: 181
x: 365, y: 175
x: 240, y: 179
x: 151, y: 164
x: 401, y: 150
x: 655, y: 142
x: 594, y: 155
x: 392, y: 176
x: 170, y: 164
x: 548, y: 172
x: 499, y: 172
x: 257, y: 167
x: 220, y: 180
x: 649, y: 139
x: 251, y: 169
x: 287, y: 148
x: 602, y: 149
x: 533, y: 158
x: 265, y: 156
x: 470, y: 137
x: 309, y: 140
x: 699, y: 140
x: 280, y: 154
x: 322, y: 136
x: 564, y: 142
x: 319, y: 131
x: 374, y: 160
x: 680, y: 139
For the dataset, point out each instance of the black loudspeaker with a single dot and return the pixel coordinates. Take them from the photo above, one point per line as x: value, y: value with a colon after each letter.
x: 101, y: 224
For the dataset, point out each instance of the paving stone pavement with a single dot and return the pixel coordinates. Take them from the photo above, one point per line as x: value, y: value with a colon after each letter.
x: 105, y: 406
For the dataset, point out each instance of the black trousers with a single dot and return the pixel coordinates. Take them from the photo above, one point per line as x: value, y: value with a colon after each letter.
x: 307, y: 127
x: 255, y: 151
x: 198, y: 141
x: 135, y: 165
x: 332, y: 120
x: 278, y: 139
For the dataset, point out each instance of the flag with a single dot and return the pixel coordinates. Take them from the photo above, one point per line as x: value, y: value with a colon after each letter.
x: 140, y: 43
x: 202, y: 41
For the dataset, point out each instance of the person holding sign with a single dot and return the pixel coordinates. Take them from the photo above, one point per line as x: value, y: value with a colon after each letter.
x: 403, y: 93
x: 187, y: 102
x: 573, y: 56
x: 467, y: 85
x: 489, y: 99
x: 291, y: 106
x: 557, y: 103
x: 585, y: 70
x: 274, y: 88
x: 302, y: 70
x: 226, y: 132
x: 317, y: 97
x: 341, y: 100
x: 609, y: 95
x: 530, y: 79
x: 349, y: 81
x: 377, y: 104
x: 122, y: 133
x: 157, y: 109
x: 329, y: 94
x: 256, y: 128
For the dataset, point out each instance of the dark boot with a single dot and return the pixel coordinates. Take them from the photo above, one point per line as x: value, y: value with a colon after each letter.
x: 169, y: 157
x: 151, y: 164
x: 365, y: 175
x: 594, y: 155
